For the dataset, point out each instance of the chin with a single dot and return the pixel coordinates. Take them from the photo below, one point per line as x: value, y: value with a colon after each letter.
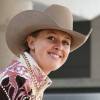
x: 56, y: 67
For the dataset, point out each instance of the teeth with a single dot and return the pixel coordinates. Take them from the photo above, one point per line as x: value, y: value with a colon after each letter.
x: 54, y: 55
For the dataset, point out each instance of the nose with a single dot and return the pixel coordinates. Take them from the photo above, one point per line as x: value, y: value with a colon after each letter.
x: 58, y: 46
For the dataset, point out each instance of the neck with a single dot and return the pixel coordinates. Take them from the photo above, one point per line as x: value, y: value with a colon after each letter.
x: 47, y: 72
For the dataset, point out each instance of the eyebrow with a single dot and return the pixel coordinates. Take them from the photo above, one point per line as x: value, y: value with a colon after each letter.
x: 68, y: 37
x: 51, y: 31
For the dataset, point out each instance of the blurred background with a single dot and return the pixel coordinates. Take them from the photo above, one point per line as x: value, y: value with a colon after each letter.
x: 79, y: 78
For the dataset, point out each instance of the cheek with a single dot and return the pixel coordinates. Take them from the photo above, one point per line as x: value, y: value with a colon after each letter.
x: 44, y: 46
x: 41, y: 49
x: 67, y: 51
x: 41, y: 55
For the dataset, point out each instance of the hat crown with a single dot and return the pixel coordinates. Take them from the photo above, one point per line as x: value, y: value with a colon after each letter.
x: 61, y: 15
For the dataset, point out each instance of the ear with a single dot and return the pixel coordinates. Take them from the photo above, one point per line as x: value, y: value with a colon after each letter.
x: 30, y: 41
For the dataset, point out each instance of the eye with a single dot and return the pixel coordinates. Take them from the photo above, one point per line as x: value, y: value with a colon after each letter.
x: 65, y: 42
x: 51, y: 38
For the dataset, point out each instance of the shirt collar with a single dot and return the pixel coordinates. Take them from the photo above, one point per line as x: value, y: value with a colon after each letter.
x: 41, y: 78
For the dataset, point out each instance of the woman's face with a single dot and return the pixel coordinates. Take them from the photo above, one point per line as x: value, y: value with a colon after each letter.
x: 50, y: 49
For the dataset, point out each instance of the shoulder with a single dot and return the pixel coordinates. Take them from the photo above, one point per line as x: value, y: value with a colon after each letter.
x: 13, y: 80
x: 15, y: 71
x: 16, y: 87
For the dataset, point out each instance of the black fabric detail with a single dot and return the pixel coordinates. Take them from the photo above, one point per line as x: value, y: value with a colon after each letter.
x: 20, y: 81
x: 3, y: 96
x: 5, y: 81
x: 30, y: 92
x: 19, y: 91
x: 11, y: 91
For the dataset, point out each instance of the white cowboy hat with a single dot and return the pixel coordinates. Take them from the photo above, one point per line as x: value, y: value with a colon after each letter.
x: 54, y: 17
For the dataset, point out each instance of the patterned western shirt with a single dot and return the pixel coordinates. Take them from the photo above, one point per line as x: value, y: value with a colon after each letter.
x: 19, y: 84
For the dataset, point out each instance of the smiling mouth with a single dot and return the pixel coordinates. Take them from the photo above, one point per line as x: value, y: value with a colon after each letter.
x: 55, y: 55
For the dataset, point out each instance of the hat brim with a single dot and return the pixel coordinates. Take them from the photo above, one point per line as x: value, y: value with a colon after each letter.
x: 29, y: 21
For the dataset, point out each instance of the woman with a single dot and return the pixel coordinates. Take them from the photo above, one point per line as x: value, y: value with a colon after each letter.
x: 42, y: 41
